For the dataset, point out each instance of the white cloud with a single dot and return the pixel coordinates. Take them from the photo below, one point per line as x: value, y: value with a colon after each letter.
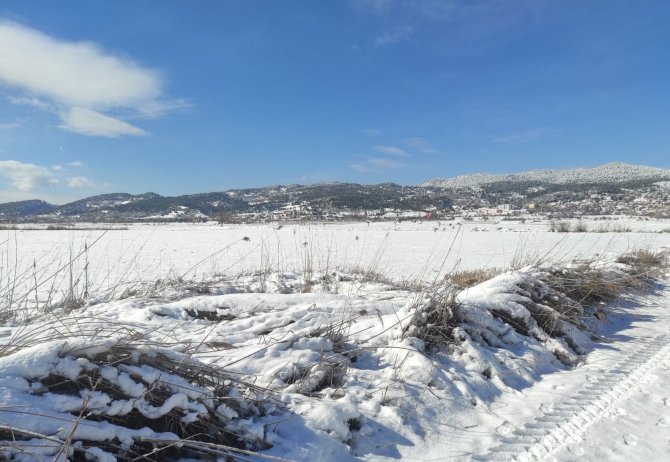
x: 420, y: 144
x: 78, y: 74
x: 76, y: 163
x: 92, y: 123
x: 80, y: 80
x: 57, y: 168
x: 26, y: 177
x: 391, y: 150
x: 79, y: 182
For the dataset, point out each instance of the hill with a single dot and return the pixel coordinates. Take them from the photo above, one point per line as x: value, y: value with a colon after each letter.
x: 25, y: 208
x: 616, y: 172
x: 609, y: 189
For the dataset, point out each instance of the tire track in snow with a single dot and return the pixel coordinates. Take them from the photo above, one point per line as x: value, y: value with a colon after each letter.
x: 569, y: 420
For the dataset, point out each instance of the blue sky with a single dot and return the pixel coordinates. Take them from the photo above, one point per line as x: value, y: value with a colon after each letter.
x: 181, y: 97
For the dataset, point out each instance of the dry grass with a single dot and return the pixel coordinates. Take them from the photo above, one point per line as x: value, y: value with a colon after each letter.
x: 435, y: 319
x: 581, y: 227
x: 591, y: 286
x: 211, y: 435
x: 587, y: 286
x: 646, y: 263
x: 472, y: 277
x: 555, y: 298
x: 329, y: 372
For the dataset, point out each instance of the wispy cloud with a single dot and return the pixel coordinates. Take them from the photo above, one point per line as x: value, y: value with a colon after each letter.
x: 374, y: 6
x: 80, y: 182
x: 381, y: 163
x: 9, y: 125
x: 526, y: 136
x: 391, y: 150
x: 26, y: 177
x: 31, y: 102
x: 374, y: 164
x: 82, y: 83
x: 421, y: 145
x: 359, y: 167
x: 470, y: 25
x: 394, y: 35
x: 73, y: 164
x: 373, y: 132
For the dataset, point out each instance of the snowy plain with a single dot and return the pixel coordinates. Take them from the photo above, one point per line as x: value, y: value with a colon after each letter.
x: 409, y: 251
x: 392, y: 400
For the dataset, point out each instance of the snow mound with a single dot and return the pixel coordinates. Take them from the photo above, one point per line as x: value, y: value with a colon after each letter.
x: 110, y: 400
x: 512, y: 306
x: 508, y: 310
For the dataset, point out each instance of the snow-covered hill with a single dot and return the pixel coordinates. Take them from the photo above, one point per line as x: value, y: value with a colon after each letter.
x: 616, y: 172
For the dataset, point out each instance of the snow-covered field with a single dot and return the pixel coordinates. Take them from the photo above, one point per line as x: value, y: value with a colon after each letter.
x: 406, y: 251
x: 330, y: 322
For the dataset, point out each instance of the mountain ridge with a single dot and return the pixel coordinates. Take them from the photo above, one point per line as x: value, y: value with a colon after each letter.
x: 614, y: 172
x: 336, y: 199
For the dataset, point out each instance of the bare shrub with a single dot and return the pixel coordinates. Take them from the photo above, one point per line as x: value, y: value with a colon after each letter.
x: 559, y: 226
x: 580, y: 227
x: 613, y: 228
x: 566, y: 227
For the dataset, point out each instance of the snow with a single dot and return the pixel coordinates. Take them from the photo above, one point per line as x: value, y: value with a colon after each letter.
x: 52, y: 413
x: 109, y: 263
x: 627, y: 395
x: 353, y: 380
